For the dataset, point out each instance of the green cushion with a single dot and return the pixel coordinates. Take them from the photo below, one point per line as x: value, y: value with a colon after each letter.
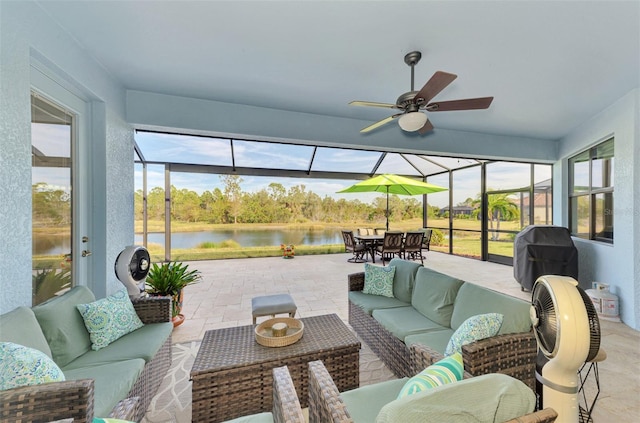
x: 24, y: 366
x: 473, y: 299
x: 434, y: 294
x: 143, y: 343
x: 63, y: 326
x: 253, y: 418
x: 404, y: 278
x: 448, y: 370
x: 109, y: 420
x: 368, y: 302
x: 20, y: 326
x: 109, y: 319
x: 112, y: 382
x: 436, y: 340
x: 378, y: 280
x: 474, y: 329
x: 483, y: 399
x: 404, y: 321
x: 365, y: 402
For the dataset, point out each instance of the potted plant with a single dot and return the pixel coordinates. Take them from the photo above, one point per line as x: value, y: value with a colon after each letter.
x: 168, y: 280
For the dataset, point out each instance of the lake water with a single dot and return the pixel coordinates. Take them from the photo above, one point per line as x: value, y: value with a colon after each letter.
x: 249, y: 238
x: 58, y: 245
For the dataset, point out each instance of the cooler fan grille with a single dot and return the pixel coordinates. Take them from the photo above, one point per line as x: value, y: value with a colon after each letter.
x: 546, y: 330
x: 594, y: 325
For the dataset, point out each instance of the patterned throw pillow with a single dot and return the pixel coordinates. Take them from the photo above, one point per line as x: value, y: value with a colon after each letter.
x: 474, y: 329
x: 109, y: 319
x: 378, y: 280
x: 447, y: 370
x: 24, y: 366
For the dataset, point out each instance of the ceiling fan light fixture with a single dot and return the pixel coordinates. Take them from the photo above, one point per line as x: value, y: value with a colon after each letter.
x: 412, y: 121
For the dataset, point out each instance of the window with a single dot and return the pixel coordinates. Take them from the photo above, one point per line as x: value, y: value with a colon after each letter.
x: 591, y: 193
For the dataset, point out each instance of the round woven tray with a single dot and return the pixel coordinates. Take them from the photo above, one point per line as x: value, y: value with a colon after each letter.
x: 264, y: 335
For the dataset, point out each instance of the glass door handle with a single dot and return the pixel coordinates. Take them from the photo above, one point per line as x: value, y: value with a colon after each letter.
x: 86, y: 253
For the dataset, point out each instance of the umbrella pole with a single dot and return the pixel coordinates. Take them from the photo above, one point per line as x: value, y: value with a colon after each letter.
x: 387, y: 207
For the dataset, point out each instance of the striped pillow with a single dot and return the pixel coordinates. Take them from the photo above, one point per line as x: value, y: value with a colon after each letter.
x: 447, y: 370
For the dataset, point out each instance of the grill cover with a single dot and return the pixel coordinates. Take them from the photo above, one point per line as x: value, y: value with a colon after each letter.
x: 543, y: 250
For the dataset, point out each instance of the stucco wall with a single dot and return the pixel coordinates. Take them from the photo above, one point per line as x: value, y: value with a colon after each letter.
x: 616, y: 264
x: 27, y: 35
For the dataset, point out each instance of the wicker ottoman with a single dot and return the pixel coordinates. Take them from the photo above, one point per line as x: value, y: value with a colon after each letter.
x: 270, y: 305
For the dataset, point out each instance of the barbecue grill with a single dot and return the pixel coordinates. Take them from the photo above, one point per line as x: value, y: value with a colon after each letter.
x: 543, y: 250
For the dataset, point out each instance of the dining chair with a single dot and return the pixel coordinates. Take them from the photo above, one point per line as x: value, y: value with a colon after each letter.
x: 391, y: 246
x: 426, y: 240
x: 412, y: 247
x: 351, y: 246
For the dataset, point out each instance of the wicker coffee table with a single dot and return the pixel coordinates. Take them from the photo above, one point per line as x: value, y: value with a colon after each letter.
x: 232, y: 373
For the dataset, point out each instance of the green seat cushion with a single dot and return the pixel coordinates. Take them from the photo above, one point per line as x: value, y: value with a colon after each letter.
x: 404, y: 321
x: 436, y: 340
x: 434, y: 294
x: 404, y: 278
x: 112, y: 382
x: 490, y: 398
x: 365, y: 402
x: 143, y: 343
x: 368, y: 302
x: 253, y: 418
x: 473, y: 300
x: 63, y: 326
x: 20, y: 326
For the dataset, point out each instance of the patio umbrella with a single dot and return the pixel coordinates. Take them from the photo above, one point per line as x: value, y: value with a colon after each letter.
x: 393, y: 184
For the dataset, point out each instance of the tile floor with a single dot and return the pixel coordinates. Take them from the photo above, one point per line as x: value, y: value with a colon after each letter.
x: 318, y: 285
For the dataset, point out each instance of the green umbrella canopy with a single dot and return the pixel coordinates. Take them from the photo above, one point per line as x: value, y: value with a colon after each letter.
x: 393, y: 184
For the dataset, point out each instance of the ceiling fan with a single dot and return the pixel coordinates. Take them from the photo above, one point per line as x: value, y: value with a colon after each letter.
x: 411, y: 103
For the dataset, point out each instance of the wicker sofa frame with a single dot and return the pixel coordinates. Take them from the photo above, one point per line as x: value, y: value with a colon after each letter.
x: 511, y: 354
x: 326, y: 405
x: 74, y: 398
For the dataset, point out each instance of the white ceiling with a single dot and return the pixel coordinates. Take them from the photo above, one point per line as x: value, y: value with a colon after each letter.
x: 551, y: 65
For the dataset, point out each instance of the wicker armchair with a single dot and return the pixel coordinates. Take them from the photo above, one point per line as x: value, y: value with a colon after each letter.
x: 326, y: 405
x: 74, y: 398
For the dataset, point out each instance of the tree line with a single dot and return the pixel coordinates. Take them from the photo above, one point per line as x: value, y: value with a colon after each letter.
x: 274, y: 204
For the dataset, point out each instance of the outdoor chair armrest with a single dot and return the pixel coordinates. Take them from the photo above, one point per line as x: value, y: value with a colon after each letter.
x: 127, y: 409
x: 423, y: 356
x: 548, y: 415
x: 153, y: 309
x: 356, y: 281
x: 48, y: 402
x: 325, y: 404
x: 513, y: 354
x: 286, y: 406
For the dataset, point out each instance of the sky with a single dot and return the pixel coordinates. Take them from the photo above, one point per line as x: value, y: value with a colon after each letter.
x: 54, y: 140
x: 213, y: 151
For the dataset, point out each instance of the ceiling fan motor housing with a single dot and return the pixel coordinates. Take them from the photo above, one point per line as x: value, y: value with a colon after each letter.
x: 564, y: 331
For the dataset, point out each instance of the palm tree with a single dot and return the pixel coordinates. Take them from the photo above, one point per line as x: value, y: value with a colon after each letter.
x: 499, y: 207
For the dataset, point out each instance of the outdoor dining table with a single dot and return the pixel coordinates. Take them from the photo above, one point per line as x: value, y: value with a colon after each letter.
x: 370, y: 242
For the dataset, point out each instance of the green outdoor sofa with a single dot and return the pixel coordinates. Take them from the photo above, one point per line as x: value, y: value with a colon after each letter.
x: 427, y: 307
x: 491, y: 397
x: 118, y: 380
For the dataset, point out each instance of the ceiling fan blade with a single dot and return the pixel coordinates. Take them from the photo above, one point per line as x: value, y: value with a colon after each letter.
x: 437, y: 83
x: 379, y: 123
x: 466, y: 104
x: 373, y: 104
x: 426, y: 128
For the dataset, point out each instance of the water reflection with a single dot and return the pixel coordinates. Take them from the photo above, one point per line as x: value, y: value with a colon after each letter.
x: 249, y: 238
